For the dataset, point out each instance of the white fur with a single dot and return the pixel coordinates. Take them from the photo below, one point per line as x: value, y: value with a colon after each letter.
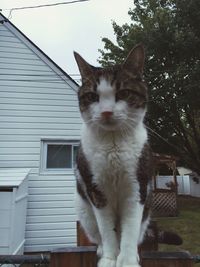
x: 113, y: 154
x: 107, y: 98
x: 143, y: 230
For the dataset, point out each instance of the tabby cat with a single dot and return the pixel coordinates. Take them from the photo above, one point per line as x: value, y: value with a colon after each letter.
x: 113, y: 167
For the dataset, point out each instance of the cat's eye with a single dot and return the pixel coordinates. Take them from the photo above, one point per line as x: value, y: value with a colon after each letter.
x: 127, y: 95
x: 88, y: 98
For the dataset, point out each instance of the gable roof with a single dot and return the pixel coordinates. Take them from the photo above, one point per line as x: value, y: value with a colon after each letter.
x: 62, y: 74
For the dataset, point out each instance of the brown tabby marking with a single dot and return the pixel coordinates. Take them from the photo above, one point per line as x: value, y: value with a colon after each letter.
x: 92, y: 193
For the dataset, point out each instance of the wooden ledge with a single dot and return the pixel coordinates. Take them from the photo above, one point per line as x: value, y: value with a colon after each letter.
x: 86, y: 257
x: 79, y: 249
x: 74, y: 257
x: 167, y: 259
x: 167, y: 255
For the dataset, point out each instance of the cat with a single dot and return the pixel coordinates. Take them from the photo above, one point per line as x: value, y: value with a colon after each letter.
x: 113, y: 168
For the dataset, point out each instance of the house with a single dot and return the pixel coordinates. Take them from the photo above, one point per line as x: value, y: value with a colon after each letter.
x: 39, y: 130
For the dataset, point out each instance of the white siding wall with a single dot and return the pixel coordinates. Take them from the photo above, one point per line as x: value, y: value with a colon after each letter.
x: 34, y: 107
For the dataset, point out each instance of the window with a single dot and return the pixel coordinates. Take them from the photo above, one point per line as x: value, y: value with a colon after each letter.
x: 58, y: 155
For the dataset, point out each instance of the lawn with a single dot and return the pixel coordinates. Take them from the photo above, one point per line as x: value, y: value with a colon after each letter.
x: 187, y: 225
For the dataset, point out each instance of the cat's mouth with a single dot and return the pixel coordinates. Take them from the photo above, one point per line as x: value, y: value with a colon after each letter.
x: 109, y: 124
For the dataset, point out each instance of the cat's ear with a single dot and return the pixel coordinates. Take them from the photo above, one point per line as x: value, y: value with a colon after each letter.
x: 135, y: 60
x: 84, y: 67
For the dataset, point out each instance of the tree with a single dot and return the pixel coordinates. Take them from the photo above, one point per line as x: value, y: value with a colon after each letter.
x: 170, y: 31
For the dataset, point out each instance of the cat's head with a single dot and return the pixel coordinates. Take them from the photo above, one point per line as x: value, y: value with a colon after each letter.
x: 113, y: 98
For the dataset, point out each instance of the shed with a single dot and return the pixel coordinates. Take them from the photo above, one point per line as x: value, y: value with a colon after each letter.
x: 13, y: 196
x: 40, y: 130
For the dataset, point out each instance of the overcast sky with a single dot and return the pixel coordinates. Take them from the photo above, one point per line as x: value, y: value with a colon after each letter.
x: 60, y: 30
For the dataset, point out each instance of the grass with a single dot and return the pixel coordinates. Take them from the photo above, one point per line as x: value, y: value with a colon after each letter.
x: 187, y: 225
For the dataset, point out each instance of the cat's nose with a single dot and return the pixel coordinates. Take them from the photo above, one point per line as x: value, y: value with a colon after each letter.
x: 106, y: 114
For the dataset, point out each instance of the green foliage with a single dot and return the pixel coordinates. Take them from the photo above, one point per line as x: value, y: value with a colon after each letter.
x: 170, y: 31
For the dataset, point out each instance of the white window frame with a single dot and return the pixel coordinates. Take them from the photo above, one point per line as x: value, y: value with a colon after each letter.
x: 43, y: 157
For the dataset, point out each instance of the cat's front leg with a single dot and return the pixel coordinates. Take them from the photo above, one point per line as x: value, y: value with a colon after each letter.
x: 110, y: 248
x: 131, y: 218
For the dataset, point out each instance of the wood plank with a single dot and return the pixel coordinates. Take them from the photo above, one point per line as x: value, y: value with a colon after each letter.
x: 31, y: 101
x: 22, y: 145
x: 12, y: 50
x: 54, y: 183
x: 39, y: 133
x: 50, y: 190
x: 39, y: 113
x: 19, y: 55
x: 31, y: 119
x: 34, y: 84
x: 51, y: 211
x: 86, y: 257
x: 51, y: 219
x: 48, y: 234
x: 19, y: 151
x: 19, y: 164
x: 11, y: 38
x: 13, y: 45
x: 25, y: 94
x: 18, y: 60
x: 50, y: 240
x: 167, y: 259
x: 26, y: 107
x: 50, y: 226
x: 39, y: 126
x: 9, y: 66
x: 17, y: 171
x: 47, y: 247
x: 51, y: 197
x: 19, y: 157
x: 74, y: 257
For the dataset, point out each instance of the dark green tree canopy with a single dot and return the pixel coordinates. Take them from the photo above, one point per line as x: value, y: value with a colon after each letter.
x: 170, y: 32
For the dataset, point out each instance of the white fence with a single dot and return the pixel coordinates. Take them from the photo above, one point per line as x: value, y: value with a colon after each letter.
x: 186, y: 185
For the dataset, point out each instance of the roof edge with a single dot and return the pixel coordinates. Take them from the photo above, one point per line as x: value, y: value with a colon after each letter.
x: 5, y: 20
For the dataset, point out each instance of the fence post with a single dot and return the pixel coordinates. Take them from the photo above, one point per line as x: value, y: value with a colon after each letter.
x: 74, y: 257
x: 167, y: 259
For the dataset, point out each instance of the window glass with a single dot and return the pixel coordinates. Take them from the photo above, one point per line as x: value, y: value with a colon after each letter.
x: 75, y: 150
x: 59, y: 156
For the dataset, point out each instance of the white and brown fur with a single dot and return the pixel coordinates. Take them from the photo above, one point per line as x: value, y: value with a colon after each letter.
x: 114, y: 161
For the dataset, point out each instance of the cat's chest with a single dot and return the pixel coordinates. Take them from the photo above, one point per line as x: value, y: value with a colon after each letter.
x: 114, y: 160
x: 113, y: 157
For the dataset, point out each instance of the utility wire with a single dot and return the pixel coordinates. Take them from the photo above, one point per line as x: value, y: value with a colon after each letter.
x: 43, y: 5
x: 154, y: 133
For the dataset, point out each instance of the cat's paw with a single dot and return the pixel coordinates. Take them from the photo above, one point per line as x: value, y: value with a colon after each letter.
x: 123, y: 261
x: 99, y: 251
x: 106, y: 262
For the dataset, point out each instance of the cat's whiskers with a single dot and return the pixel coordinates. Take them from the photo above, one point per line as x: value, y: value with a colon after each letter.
x: 133, y: 121
x: 89, y: 121
x: 124, y: 130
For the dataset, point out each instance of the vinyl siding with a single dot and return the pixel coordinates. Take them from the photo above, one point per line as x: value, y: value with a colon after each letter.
x: 37, y: 101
